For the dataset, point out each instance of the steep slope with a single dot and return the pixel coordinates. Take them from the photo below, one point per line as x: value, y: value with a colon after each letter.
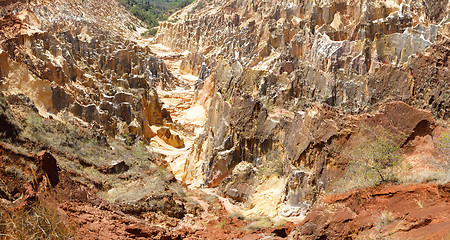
x: 297, y: 87
x: 86, y: 136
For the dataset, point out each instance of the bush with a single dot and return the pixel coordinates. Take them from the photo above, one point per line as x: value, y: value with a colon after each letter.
x: 153, y: 11
x: 443, y: 144
x: 385, y: 218
x: 376, y: 160
x: 199, y: 6
x: 34, y: 122
x: 150, y: 33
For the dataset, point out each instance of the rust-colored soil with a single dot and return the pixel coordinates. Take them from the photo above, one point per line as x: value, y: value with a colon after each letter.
x: 95, y: 218
x: 419, y: 211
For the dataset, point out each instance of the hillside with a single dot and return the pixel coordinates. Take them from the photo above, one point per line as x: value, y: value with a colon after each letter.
x: 152, y: 11
x: 243, y: 119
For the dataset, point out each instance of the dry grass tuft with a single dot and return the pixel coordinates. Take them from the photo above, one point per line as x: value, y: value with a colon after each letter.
x: 36, y: 222
x: 385, y: 218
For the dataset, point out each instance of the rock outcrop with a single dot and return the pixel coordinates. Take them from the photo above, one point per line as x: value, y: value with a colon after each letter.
x: 81, y: 65
x: 266, y: 102
x: 298, y: 82
x: 350, y: 54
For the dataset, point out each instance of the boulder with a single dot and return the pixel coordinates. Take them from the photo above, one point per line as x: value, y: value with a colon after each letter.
x: 170, y: 138
x: 114, y: 167
x: 47, y: 166
x: 60, y: 98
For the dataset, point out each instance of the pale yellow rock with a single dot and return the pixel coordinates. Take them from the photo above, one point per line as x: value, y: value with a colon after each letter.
x: 337, y: 22
x: 267, y: 198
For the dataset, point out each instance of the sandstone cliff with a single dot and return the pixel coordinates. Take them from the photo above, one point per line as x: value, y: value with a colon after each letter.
x: 297, y: 82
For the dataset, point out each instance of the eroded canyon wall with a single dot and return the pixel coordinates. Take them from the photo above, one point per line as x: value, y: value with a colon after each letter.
x: 81, y: 59
x: 296, y: 81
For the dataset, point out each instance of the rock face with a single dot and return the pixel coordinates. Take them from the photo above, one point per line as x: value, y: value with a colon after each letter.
x: 350, y: 54
x: 89, y: 69
x: 9, y: 128
x: 297, y: 82
x: 291, y: 89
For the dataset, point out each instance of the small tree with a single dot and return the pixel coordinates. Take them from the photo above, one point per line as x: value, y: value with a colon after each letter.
x: 376, y: 158
x: 443, y: 144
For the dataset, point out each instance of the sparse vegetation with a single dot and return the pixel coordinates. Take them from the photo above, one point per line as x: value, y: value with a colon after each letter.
x: 442, y: 176
x: 14, y: 171
x: 34, y: 123
x: 443, y: 144
x: 152, y: 11
x: 200, y: 5
x: 273, y: 164
x: 221, y: 224
x: 376, y: 160
x: 261, y: 222
x: 150, y: 33
x: 419, y: 203
x: 36, y: 222
x: 385, y: 218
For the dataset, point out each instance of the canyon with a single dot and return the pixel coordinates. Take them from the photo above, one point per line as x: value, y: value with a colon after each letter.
x: 239, y: 120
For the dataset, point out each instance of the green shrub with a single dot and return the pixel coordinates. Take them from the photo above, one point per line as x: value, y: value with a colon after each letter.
x: 273, y: 164
x: 375, y: 160
x: 221, y: 224
x: 34, y: 122
x: 200, y: 5
x: 152, y: 11
x: 150, y: 33
x: 443, y: 144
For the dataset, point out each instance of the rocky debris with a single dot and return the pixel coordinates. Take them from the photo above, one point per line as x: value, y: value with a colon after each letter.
x: 114, y: 168
x: 165, y: 203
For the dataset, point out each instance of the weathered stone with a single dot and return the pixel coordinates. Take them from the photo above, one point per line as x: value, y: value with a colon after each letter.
x: 47, y: 164
x: 123, y: 111
x: 152, y: 108
x: 122, y: 97
x: 114, y: 167
x: 4, y: 68
x: 60, y: 98
x: 9, y: 128
x: 170, y: 137
x: 138, y: 81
